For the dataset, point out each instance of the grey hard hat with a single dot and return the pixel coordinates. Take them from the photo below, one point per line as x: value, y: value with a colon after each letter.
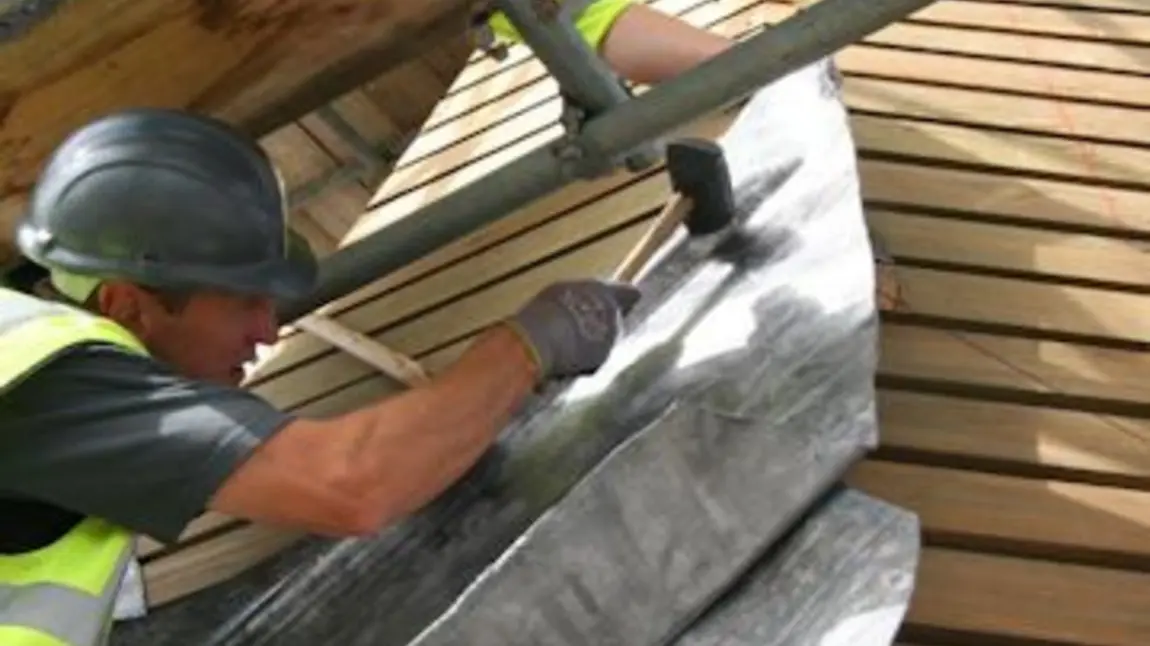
x: 167, y: 199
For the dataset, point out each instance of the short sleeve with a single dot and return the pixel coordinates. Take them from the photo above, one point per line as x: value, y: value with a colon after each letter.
x: 103, y: 432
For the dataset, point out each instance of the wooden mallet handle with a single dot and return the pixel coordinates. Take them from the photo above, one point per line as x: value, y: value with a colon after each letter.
x: 703, y: 200
x: 665, y: 224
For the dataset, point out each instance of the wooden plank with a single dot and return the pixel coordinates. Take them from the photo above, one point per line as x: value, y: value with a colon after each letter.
x: 302, y: 159
x: 407, y: 92
x: 464, y: 152
x: 1016, y: 438
x: 1038, y: 201
x: 370, y: 388
x: 369, y: 119
x: 1010, y: 76
x: 960, y: 105
x: 1020, y: 514
x: 1095, y: 24
x: 1028, y: 366
x: 147, y: 547
x: 254, y: 63
x: 1030, y: 48
x: 204, y: 564
x: 1054, y: 308
x: 1055, y: 254
x: 322, y: 243
x: 983, y: 596
x: 1133, y: 6
x: 297, y: 156
x: 1002, y: 150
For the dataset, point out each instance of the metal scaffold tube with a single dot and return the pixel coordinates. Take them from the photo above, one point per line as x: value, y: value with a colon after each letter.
x: 580, y: 73
x: 810, y: 35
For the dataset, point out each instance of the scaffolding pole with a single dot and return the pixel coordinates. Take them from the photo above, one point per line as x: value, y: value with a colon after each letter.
x: 580, y: 73
x: 810, y: 35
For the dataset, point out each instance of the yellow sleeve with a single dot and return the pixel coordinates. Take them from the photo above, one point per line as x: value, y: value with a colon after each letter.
x: 594, y: 22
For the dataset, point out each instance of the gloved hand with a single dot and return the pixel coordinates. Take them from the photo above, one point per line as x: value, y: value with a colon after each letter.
x: 571, y: 326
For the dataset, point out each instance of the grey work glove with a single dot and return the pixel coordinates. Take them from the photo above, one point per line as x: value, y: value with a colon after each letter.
x: 571, y: 326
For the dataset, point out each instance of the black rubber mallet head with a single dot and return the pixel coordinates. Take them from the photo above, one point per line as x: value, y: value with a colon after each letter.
x: 704, y: 200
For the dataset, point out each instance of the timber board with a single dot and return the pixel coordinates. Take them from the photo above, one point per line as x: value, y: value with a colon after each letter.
x: 257, y: 63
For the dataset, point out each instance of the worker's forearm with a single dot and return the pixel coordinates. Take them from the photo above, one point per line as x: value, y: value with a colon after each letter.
x: 648, y: 46
x: 409, y: 448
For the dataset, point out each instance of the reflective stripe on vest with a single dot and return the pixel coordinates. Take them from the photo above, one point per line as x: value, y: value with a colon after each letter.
x: 62, y: 594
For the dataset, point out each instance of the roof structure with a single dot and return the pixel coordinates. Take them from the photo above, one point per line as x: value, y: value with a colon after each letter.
x: 263, y: 64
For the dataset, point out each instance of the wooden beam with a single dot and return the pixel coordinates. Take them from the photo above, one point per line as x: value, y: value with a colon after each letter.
x: 1022, y: 515
x: 212, y: 561
x: 971, y: 598
x: 1024, y: 440
x: 258, y: 63
x: 1073, y: 258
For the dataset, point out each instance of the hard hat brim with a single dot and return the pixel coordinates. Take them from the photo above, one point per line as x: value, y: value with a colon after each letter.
x: 285, y: 278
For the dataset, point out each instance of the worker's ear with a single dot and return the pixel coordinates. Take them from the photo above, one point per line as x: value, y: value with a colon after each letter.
x: 129, y: 306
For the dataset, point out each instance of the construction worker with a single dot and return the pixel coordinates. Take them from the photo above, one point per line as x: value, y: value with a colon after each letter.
x: 121, y: 410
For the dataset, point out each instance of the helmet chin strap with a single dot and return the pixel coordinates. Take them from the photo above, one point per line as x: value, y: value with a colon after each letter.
x: 75, y: 287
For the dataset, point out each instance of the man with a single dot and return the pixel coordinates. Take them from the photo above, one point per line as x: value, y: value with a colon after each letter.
x: 121, y: 413
x: 644, y: 45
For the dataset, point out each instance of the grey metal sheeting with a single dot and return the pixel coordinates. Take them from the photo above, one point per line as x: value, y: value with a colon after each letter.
x: 620, y: 507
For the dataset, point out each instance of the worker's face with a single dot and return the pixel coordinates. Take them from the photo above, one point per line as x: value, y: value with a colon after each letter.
x: 206, y: 335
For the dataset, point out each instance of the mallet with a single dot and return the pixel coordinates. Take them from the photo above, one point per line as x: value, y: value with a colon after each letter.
x: 704, y: 201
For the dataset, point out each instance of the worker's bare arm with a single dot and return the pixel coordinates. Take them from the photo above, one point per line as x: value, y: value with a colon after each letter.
x: 361, y: 471
x: 646, y: 45
x: 357, y: 472
x: 101, y: 431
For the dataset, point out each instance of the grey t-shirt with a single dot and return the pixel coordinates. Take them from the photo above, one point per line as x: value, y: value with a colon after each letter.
x: 102, y: 432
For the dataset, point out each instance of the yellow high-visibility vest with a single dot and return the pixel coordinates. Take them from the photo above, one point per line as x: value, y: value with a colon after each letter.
x: 593, y: 19
x: 62, y: 594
